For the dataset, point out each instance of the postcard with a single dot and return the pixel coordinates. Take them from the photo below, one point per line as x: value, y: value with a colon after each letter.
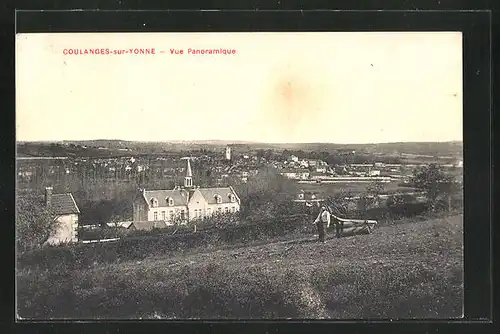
x: 312, y: 175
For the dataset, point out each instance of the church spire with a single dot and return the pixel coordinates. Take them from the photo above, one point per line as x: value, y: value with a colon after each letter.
x: 188, y: 179
x: 188, y: 170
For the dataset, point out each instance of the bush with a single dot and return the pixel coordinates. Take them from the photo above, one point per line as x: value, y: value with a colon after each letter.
x: 265, y: 195
x: 101, y: 233
x: 137, y: 246
x: 34, y: 223
x: 437, y: 185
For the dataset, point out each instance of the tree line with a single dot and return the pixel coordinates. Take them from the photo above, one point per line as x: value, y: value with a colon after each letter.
x: 267, y: 195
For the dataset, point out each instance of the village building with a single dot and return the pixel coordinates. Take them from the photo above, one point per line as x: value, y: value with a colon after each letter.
x: 184, y: 203
x: 321, y: 169
x: 66, y: 212
x: 296, y: 174
x: 317, y: 175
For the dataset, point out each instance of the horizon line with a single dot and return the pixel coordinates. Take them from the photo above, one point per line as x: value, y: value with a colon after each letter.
x: 230, y: 141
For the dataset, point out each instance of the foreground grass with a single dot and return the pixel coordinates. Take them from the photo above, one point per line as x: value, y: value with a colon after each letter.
x: 403, y: 270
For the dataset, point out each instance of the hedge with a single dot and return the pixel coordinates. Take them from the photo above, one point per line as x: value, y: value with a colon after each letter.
x: 141, y: 247
x: 144, y: 244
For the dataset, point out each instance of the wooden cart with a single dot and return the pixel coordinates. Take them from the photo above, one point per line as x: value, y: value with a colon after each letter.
x: 354, y: 226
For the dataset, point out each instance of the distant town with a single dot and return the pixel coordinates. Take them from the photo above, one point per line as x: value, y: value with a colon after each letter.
x: 222, y: 165
x: 151, y: 185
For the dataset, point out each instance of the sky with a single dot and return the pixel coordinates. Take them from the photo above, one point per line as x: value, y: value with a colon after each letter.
x: 278, y: 87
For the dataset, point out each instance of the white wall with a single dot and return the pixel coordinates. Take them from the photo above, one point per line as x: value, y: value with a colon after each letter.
x: 66, y: 231
x: 176, y: 210
x: 222, y: 206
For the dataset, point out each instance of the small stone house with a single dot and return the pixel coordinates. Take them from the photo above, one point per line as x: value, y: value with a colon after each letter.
x: 66, y: 212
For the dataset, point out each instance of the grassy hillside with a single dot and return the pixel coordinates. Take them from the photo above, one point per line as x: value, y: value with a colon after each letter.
x: 409, y: 269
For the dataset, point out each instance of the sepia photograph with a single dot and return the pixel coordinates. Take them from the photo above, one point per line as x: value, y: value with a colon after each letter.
x: 284, y: 175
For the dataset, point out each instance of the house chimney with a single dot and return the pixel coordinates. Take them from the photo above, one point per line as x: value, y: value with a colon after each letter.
x: 48, y: 196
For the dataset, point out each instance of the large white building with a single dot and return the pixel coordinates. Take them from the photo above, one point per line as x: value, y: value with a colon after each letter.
x: 184, y: 203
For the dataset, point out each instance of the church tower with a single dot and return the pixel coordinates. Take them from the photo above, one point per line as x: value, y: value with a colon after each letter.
x: 188, y: 179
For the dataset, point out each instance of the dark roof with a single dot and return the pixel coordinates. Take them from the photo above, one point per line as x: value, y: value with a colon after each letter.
x: 179, y: 196
x: 209, y: 194
x: 63, y: 204
x: 182, y: 196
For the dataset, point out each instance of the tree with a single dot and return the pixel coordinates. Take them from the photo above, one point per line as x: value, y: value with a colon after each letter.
x: 375, y: 188
x: 435, y: 183
x: 266, y: 193
x: 371, y: 196
x: 334, y: 159
x: 340, y: 202
x: 34, y: 223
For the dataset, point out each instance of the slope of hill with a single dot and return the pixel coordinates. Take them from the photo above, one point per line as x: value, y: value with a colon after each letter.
x: 405, y: 270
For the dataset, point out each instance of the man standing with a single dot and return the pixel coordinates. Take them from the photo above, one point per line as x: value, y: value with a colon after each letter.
x: 322, y: 222
x: 339, y: 224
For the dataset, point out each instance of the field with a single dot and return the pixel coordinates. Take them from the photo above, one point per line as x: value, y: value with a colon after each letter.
x: 326, y: 189
x: 405, y: 269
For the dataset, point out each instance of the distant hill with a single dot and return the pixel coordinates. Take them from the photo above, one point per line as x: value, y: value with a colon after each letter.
x: 454, y: 148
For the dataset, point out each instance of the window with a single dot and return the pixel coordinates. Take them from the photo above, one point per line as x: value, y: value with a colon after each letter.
x: 218, y: 199
x: 209, y: 211
x: 183, y: 214
x: 171, y: 215
x: 155, y: 216
x: 170, y: 201
x: 232, y: 198
x: 154, y: 202
x: 163, y: 215
x: 233, y: 209
x: 219, y: 210
x: 226, y: 209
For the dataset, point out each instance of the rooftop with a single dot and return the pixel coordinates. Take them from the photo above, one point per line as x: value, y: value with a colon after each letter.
x: 63, y: 204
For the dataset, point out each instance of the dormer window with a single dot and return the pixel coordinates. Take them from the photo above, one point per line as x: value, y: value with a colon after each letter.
x: 218, y: 199
x: 170, y: 201
x: 232, y: 198
x: 154, y: 202
x: 301, y: 196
